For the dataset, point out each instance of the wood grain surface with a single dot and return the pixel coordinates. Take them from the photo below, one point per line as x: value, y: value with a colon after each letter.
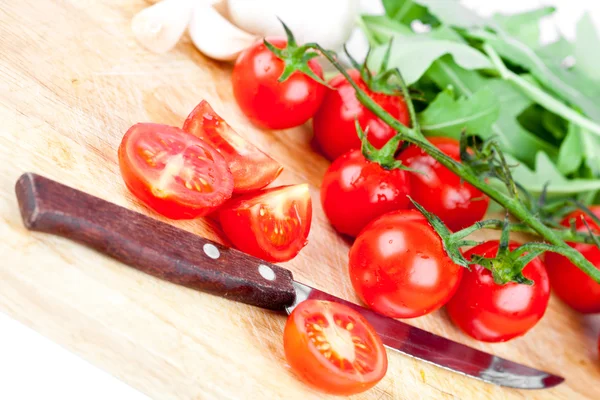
x: 72, y: 80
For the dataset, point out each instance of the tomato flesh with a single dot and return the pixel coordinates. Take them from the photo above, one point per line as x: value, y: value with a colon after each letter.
x: 356, y: 191
x: 334, y: 122
x: 267, y: 102
x: 440, y: 191
x: 333, y: 348
x: 490, y: 312
x: 399, y: 268
x: 272, y: 224
x: 251, y: 168
x: 569, y: 283
x: 173, y: 172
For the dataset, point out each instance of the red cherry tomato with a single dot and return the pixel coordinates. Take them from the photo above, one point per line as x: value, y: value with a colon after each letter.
x: 272, y: 224
x: 333, y: 348
x: 267, y: 102
x: 355, y: 191
x: 399, y: 268
x: 569, y: 283
x: 173, y: 172
x: 439, y: 190
x: 251, y: 168
x: 490, y: 312
x: 334, y: 122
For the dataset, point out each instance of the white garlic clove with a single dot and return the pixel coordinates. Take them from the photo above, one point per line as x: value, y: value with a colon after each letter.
x: 158, y: 28
x: 215, y: 36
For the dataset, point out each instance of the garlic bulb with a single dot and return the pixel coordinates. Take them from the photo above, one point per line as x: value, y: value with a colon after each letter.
x: 159, y: 27
x: 214, y: 35
x: 327, y: 22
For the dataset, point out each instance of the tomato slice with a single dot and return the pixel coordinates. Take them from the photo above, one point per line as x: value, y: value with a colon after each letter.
x: 173, y: 172
x: 251, y: 168
x: 333, y: 348
x: 272, y: 224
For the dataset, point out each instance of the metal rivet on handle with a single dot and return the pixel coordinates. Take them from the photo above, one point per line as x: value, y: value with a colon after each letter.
x: 266, y: 272
x: 211, y: 251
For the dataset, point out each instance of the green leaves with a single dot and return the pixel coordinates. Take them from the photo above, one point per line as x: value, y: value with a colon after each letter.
x: 413, y: 55
x: 525, y: 26
x: 446, y: 116
x: 588, y: 42
x: 451, y: 12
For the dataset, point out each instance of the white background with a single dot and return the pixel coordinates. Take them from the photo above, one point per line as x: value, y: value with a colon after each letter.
x: 32, y: 367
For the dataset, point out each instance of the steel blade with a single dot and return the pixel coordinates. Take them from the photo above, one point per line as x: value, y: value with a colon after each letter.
x: 445, y: 353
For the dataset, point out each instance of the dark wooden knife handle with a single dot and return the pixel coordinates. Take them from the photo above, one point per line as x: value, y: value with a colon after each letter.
x: 152, y: 246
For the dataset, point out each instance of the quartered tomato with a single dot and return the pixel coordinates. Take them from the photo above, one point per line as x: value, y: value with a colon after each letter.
x: 490, y: 312
x: 266, y: 101
x: 173, y: 172
x: 568, y: 282
x: 333, y: 348
x: 272, y: 224
x: 399, y: 268
x: 355, y: 191
x: 334, y: 122
x: 440, y: 191
x: 251, y: 168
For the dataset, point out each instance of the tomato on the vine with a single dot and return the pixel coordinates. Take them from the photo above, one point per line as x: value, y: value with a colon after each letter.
x: 173, y: 172
x: 251, y: 168
x: 399, y: 268
x: 355, y: 191
x: 334, y: 122
x: 333, y: 348
x: 491, y: 312
x: 569, y: 283
x: 272, y: 224
x: 440, y: 191
x: 267, y: 102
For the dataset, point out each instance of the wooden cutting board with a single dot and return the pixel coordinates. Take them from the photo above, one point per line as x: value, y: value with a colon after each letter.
x: 72, y: 80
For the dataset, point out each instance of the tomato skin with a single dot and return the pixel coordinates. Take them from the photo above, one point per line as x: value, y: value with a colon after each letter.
x: 267, y: 102
x: 399, y: 268
x: 355, y: 191
x: 312, y: 366
x: 334, y: 122
x: 251, y: 168
x: 148, y: 151
x: 568, y: 282
x: 438, y: 190
x: 497, y: 313
x: 272, y: 224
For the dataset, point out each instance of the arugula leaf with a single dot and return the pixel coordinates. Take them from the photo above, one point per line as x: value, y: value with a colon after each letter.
x: 406, y: 11
x: 546, y: 172
x: 586, y: 49
x: 451, y: 12
x: 569, y: 85
x: 591, y: 150
x: 446, y: 116
x: 381, y: 28
x: 524, y: 26
x: 413, y: 55
x: 570, y: 155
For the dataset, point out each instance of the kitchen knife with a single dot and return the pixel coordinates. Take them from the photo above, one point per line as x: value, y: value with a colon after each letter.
x: 181, y: 257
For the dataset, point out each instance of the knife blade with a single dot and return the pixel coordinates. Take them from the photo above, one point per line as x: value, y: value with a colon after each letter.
x: 183, y: 258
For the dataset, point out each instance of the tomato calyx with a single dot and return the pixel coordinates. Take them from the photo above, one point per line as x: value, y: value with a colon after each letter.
x: 294, y: 57
x: 386, y: 156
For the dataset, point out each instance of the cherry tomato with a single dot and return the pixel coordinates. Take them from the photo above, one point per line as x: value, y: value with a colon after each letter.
x: 355, y: 191
x: 334, y: 122
x: 251, y: 168
x: 439, y: 190
x: 490, y: 312
x: 173, y: 172
x: 267, y: 102
x: 333, y: 348
x: 272, y: 224
x: 399, y: 268
x: 569, y: 283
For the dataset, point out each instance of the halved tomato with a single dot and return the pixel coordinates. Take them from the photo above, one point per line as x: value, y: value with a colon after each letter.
x: 251, y: 168
x: 272, y: 224
x: 333, y: 348
x: 173, y: 172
